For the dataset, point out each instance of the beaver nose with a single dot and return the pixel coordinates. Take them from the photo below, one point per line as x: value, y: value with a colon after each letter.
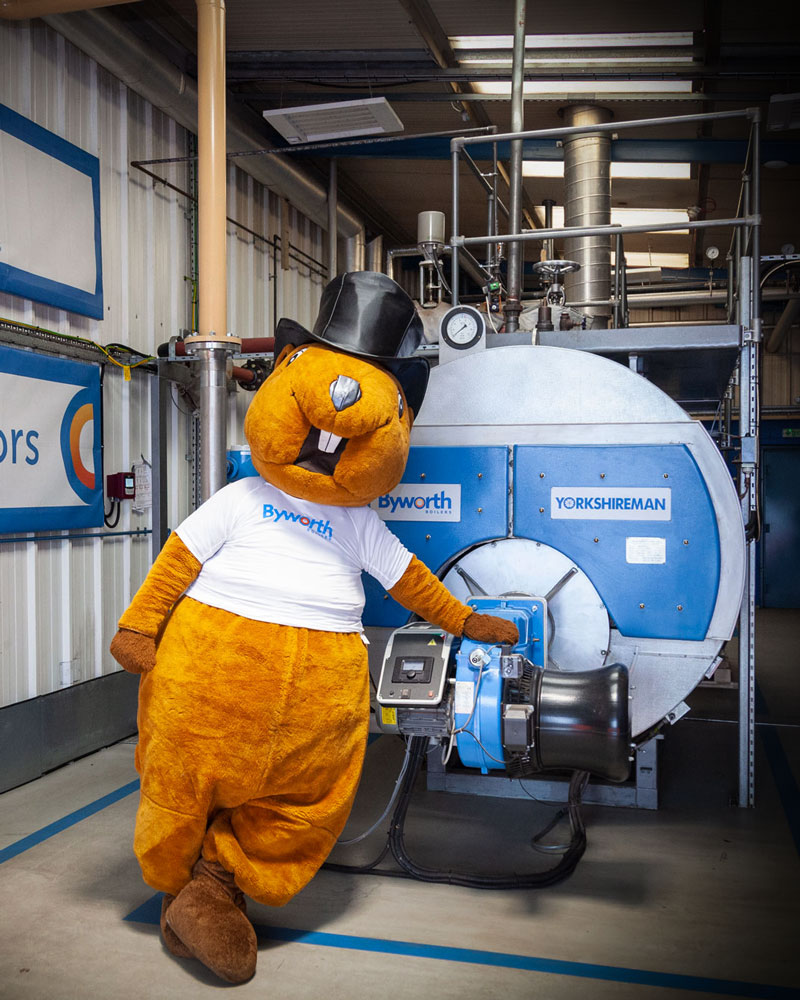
x: 344, y: 392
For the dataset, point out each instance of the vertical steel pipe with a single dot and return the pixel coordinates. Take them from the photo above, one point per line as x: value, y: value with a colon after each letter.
x: 455, y: 222
x: 587, y: 202
x: 211, y: 344
x: 513, y: 305
x: 375, y: 254
x: 333, y: 232
x: 355, y: 252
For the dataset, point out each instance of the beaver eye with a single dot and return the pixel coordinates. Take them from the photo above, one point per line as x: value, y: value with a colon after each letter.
x: 294, y: 357
x: 400, y: 405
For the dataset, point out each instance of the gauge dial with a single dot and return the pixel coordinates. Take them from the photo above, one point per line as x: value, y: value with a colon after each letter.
x: 462, y: 327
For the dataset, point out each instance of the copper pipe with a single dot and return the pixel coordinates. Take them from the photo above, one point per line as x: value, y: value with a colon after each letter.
x: 256, y: 345
x: 20, y: 10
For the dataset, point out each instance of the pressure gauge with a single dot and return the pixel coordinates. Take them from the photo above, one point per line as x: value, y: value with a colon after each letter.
x: 712, y: 253
x: 462, y: 327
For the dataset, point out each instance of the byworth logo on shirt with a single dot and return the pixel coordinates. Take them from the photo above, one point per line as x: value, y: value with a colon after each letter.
x: 315, y: 524
x: 413, y: 502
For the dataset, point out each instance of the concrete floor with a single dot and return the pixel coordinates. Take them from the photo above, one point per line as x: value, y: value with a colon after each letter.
x: 697, y: 899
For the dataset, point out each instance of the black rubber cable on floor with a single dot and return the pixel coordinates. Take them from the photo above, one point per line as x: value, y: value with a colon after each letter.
x: 531, y: 880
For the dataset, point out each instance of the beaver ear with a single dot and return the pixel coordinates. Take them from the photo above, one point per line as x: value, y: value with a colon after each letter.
x: 284, y: 354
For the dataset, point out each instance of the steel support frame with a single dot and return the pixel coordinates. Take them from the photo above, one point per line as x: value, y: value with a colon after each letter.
x: 748, y: 257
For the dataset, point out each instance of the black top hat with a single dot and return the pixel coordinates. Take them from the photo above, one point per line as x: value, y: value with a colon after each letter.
x: 367, y: 314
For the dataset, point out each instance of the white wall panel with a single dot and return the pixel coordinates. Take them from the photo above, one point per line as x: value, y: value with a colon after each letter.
x: 60, y: 599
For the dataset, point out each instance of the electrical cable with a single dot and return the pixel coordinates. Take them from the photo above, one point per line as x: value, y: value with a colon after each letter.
x: 560, y: 871
x: 389, y: 805
x: 106, y: 517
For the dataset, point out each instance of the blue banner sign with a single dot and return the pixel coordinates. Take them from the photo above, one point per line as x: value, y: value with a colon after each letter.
x: 50, y: 441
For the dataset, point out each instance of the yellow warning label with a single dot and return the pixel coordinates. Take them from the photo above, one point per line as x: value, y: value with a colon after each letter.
x: 388, y: 716
x: 432, y: 642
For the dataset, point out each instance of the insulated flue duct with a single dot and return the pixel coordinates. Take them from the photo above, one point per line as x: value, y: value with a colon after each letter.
x: 587, y: 202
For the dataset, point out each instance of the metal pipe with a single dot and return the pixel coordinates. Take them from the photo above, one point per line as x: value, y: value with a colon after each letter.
x: 355, y: 251
x: 213, y: 413
x: 455, y: 223
x: 587, y: 201
x: 105, y: 39
x: 618, y: 266
x: 664, y: 227
x: 667, y: 299
x: 756, y: 159
x: 549, y: 246
x: 333, y: 235
x: 557, y: 133
x: 513, y: 306
x: 20, y: 10
x: 212, y: 168
x: 375, y: 254
x: 785, y: 322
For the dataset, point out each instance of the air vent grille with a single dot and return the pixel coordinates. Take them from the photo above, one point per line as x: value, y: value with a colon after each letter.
x: 340, y: 120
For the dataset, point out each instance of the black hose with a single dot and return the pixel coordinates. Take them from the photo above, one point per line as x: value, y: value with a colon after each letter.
x: 532, y: 880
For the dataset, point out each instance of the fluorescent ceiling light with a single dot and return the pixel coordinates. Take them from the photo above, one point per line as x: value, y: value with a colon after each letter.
x: 566, y: 61
x: 644, y: 258
x: 627, y: 216
x: 633, y: 171
x: 602, y: 40
x: 533, y: 87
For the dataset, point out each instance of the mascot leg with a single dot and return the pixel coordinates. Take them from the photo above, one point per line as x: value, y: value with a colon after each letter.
x: 252, y: 738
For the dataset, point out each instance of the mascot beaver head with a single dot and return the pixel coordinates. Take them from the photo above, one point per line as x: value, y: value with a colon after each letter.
x: 332, y: 422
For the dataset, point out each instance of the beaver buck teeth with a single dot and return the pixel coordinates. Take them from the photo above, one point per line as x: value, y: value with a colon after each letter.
x: 321, y: 451
x: 328, y: 441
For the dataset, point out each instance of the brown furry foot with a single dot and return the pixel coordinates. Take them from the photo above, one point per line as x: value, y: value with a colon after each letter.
x: 208, y: 918
x: 173, y: 943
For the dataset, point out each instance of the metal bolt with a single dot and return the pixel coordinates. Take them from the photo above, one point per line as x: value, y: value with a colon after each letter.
x: 602, y: 475
x: 422, y: 475
x: 597, y: 539
x: 480, y: 475
x: 686, y: 541
x: 641, y: 605
x: 427, y: 538
x: 541, y: 475
x: 541, y: 510
x: 386, y: 597
x: 480, y: 510
x: 680, y: 607
x: 666, y: 475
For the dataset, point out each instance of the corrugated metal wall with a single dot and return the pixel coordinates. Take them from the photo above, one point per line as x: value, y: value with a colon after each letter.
x: 60, y: 598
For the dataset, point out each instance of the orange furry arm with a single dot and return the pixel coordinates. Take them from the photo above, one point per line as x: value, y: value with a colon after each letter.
x: 134, y: 645
x: 425, y: 594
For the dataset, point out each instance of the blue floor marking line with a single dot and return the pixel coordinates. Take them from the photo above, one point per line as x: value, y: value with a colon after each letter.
x: 150, y: 913
x: 785, y: 781
x: 65, y: 822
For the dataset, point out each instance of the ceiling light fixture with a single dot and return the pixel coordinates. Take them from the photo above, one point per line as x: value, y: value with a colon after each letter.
x: 619, y: 170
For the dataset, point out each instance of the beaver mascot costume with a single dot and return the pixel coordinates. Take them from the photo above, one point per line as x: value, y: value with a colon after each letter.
x: 254, y: 699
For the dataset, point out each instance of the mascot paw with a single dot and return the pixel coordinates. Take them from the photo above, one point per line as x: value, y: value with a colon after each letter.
x: 134, y: 652
x: 208, y: 918
x: 488, y: 628
x: 172, y: 942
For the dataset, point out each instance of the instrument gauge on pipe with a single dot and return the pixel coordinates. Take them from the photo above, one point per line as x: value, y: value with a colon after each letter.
x: 462, y: 327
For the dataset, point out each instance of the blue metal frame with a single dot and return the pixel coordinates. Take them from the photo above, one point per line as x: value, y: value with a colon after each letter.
x: 34, y: 286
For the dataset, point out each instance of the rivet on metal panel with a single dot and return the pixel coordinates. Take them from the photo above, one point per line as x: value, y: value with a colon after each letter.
x: 686, y: 541
x: 602, y: 475
x: 422, y: 475
x: 427, y: 538
x: 480, y: 475
x: 541, y: 475
x: 666, y: 475
x: 596, y: 539
x: 386, y: 597
x: 680, y: 607
x: 541, y: 510
x: 641, y: 605
x: 480, y: 510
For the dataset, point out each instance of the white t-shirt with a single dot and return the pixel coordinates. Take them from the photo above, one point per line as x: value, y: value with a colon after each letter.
x: 272, y: 557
